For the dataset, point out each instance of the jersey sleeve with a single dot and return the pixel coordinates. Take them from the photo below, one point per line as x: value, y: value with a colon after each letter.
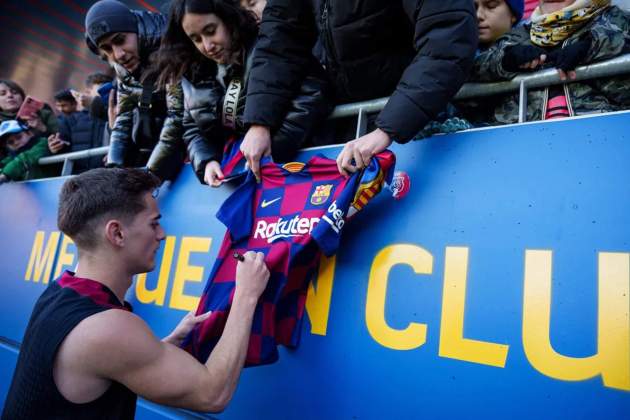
x: 359, y: 190
x: 233, y: 161
x: 236, y: 212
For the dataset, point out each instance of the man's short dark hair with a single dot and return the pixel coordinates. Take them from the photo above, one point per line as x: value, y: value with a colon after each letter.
x: 97, y: 79
x: 65, y: 95
x: 86, y: 199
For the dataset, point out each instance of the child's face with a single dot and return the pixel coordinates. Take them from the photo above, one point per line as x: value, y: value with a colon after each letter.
x: 16, y: 141
x: 550, y: 6
x: 494, y: 18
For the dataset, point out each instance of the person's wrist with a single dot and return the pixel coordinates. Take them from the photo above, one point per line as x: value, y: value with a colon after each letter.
x: 384, y: 136
x: 248, y: 297
x: 169, y: 339
x: 260, y: 129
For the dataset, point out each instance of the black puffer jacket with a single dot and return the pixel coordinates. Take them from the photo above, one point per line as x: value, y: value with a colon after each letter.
x: 126, y: 139
x: 204, y: 97
x: 417, y: 51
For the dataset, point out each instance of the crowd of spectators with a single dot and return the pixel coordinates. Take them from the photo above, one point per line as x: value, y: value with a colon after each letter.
x: 187, y: 85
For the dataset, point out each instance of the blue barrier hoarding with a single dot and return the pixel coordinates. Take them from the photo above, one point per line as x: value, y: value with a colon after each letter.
x: 499, y: 286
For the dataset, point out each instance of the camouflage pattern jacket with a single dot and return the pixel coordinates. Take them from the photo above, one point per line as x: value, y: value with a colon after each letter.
x: 610, y: 34
x: 128, y: 138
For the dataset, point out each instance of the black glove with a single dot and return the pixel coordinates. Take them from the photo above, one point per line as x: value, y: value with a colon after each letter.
x: 517, y: 55
x: 569, y: 57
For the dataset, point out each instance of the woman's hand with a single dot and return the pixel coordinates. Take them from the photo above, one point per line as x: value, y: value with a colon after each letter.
x: 213, y: 175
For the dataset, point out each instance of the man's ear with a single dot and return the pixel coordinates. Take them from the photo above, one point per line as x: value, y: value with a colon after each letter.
x: 114, y: 233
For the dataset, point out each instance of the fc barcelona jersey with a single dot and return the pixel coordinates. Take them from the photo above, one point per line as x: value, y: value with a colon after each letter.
x: 296, y: 212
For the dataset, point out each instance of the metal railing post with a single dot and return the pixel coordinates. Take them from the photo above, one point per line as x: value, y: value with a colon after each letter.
x: 68, y: 164
x: 362, y: 121
x: 522, y: 101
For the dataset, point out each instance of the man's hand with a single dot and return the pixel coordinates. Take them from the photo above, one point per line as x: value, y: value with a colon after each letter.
x: 184, y: 327
x: 213, y: 175
x: 361, y: 151
x: 252, y: 275
x: 255, y: 145
x: 55, y: 143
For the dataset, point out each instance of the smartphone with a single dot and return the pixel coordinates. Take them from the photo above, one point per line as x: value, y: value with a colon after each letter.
x: 29, y: 108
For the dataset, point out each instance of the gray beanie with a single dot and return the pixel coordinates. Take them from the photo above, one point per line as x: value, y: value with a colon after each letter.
x: 106, y: 17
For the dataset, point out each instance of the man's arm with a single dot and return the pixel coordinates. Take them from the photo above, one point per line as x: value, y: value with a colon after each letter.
x: 120, y: 138
x: 308, y: 108
x: 168, y: 154
x: 445, y: 39
x: 283, y: 53
x: 119, y: 346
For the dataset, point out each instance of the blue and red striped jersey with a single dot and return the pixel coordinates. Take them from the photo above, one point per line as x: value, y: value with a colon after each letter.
x: 294, y: 214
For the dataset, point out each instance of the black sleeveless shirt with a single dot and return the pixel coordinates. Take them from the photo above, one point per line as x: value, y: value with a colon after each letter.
x: 33, y: 394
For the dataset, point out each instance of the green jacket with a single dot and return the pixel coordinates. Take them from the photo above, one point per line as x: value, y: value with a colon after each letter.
x: 47, y: 116
x: 610, y: 34
x: 24, y: 165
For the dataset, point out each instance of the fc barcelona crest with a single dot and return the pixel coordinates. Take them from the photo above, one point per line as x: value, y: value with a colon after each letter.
x: 321, y: 194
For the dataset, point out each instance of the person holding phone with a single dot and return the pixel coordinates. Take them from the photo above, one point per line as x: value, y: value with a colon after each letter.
x: 78, y: 131
x: 12, y: 98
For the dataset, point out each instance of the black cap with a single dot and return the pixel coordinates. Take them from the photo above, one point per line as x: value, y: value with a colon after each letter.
x: 106, y: 17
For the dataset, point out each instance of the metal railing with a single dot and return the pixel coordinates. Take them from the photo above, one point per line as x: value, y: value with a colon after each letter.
x: 548, y: 77
x: 521, y: 83
x: 69, y: 158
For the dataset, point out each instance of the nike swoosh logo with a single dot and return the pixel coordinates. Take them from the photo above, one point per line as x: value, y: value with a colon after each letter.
x: 268, y: 203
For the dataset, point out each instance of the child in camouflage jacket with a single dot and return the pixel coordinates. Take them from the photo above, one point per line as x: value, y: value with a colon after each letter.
x: 583, y: 32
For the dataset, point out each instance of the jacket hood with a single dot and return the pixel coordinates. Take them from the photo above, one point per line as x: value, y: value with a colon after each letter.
x: 151, y: 27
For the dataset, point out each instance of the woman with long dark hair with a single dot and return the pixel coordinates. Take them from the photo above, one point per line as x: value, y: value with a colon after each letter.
x: 208, y: 47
